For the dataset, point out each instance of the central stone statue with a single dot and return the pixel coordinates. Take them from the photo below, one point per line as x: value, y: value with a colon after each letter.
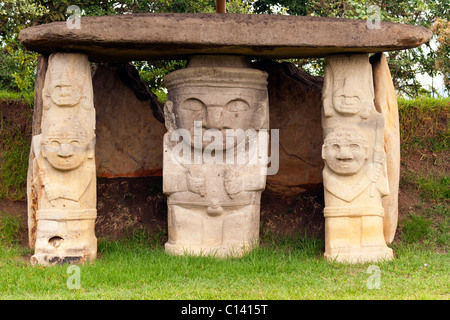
x: 213, y: 175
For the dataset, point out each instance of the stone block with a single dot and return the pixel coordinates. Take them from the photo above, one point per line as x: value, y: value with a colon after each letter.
x: 129, y: 136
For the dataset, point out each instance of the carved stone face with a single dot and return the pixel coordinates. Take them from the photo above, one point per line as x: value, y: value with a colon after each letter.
x: 68, y: 80
x: 222, y: 93
x: 64, y: 92
x: 66, y: 151
x: 345, y: 152
x: 350, y: 85
x: 219, y: 108
x: 347, y: 93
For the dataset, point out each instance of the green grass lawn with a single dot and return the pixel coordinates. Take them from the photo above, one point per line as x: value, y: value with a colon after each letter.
x: 289, y: 268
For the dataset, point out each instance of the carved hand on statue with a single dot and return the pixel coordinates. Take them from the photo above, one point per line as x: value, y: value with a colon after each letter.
x: 379, y: 155
x: 234, y: 182
x: 196, y: 184
x: 51, y: 194
x: 48, y: 187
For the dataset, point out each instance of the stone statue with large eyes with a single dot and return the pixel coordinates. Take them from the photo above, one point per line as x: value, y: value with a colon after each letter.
x: 65, y: 153
x: 354, y: 179
x: 355, y: 174
x: 214, y: 112
x: 64, y: 179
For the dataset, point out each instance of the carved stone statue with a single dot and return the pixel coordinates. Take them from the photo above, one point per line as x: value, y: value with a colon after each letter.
x: 63, y: 180
x: 212, y: 177
x: 354, y: 176
x: 348, y: 86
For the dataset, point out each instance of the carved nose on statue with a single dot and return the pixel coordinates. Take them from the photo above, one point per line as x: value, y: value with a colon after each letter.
x: 65, y: 150
x: 65, y: 90
x: 214, y: 118
x: 345, y: 154
x: 214, y: 211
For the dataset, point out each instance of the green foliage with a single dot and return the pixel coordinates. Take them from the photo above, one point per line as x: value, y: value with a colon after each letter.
x: 13, y: 166
x: 405, y: 65
x: 153, y: 72
x: 294, y: 7
x: 431, y: 187
x: 14, y: 153
x: 9, y: 230
x: 431, y: 226
x: 441, y: 28
x: 439, y: 215
x: 424, y: 123
x: 415, y: 228
x: 17, y: 65
x: 434, y: 188
x: 21, y: 97
x: 18, y: 71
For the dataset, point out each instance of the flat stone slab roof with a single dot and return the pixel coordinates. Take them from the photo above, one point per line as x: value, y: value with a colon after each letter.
x: 177, y: 35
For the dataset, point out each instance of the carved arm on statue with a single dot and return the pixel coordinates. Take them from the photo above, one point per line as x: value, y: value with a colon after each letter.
x: 48, y: 187
x: 236, y: 181
x: 379, y: 156
x: 196, y: 184
x: 182, y: 182
x: 175, y: 182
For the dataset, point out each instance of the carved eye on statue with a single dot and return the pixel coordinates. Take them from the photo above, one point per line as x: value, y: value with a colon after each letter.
x: 54, y: 143
x: 57, y: 90
x: 75, y: 143
x: 339, y: 83
x: 194, y: 105
x: 335, y: 147
x: 237, y: 106
x: 354, y: 147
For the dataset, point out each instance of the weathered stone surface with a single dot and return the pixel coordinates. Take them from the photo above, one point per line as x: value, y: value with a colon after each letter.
x: 386, y: 103
x: 355, y: 175
x: 295, y: 110
x: 41, y: 70
x: 213, y: 197
x: 62, y: 180
x: 32, y: 199
x: 129, y: 137
x: 177, y: 35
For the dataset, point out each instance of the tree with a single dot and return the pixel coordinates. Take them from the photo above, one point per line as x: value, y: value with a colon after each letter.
x: 17, y: 64
x: 441, y: 28
x: 405, y: 65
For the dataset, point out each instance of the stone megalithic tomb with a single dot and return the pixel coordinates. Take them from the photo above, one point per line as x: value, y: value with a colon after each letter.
x: 341, y: 131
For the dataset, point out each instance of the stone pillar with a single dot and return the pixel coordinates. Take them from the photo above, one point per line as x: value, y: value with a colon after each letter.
x: 213, y: 193
x: 386, y: 103
x: 355, y: 178
x: 62, y: 180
